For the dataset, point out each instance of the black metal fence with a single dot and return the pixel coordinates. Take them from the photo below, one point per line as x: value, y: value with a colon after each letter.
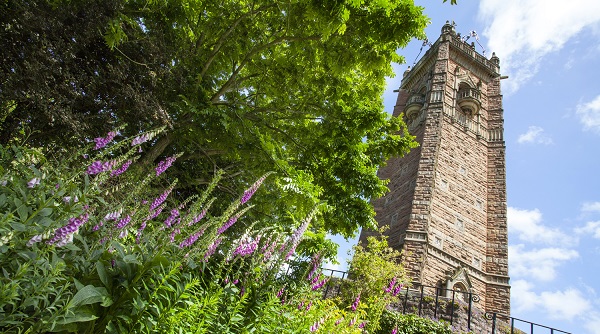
x: 442, y: 303
x: 510, y: 323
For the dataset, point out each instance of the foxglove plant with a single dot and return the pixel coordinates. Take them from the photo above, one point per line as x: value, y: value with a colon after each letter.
x: 191, y: 239
x: 163, y: 165
x: 211, y: 249
x: 250, y: 191
x: 101, y: 142
x: 160, y: 199
x: 390, y: 286
x: 121, y: 169
x: 355, y: 303
x: 296, y: 237
x: 63, y: 233
x: 34, y: 182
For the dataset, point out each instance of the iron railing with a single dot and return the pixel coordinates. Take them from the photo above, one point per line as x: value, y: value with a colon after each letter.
x: 496, y: 317
x: 427, y: 296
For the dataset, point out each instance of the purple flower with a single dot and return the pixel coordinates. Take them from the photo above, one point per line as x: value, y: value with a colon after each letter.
x: 315, y: 261
x: 356, y: 302
x: 56, y: 186
x: 319, y: 284
x: 121, y: 169
x: 112, y: 216
x: 35, y: 239
x: 62, y: 235
x: 95, y: 168
x: 123, y: 222
x: 163, y: 165
x: 352, y: 322
x: 337, y: 322
x: 391, y: 285
x: 141, y: 139
x: 315, y: 326
x: 308, y: 306
x: 295, y: 239
x: 227, y: 225
x: 174, y: 214
x: 280, y: 292
x: 211, y: 250
x: 34, y: 182
x: 246, y: 247
x: 362, y: 325
x: 191, y: 239
x: 97, y: 226
x: 160, y: 199
x: 395, y: 330
x: 197, y: 218
x: 101, y: 142
x: 301, y: 305
x: 174, y: 233
x: 397, y: 290
x: 250, y: 191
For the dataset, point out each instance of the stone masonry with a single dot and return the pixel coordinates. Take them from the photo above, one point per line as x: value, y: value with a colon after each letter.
x: 446, y: 208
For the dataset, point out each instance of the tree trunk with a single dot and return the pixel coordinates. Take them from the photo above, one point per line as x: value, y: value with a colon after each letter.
x: 156, y: 150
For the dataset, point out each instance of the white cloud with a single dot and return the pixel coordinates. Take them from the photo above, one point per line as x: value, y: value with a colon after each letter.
x: 591, y: 207
x: 524, y: 31
x: 589, y: 114
x: 536, y: 135
x: 590, y: 228
x: 539, y: 264
x: 592, y: 323
x: 567, y: 304
x: 527, y: 225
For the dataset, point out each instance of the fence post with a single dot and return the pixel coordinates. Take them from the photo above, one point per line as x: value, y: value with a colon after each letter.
x: 436, y: 304
x: 405, y: 300
x: 452, y: 314
x: 421, y: 300
x: 340, y: 285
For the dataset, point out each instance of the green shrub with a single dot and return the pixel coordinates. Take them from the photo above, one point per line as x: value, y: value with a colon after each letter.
x: 410, y: 324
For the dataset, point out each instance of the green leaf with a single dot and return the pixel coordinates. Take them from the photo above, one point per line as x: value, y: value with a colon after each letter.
x: 45, y: 212
x: 101, y: 269
x: 131, y: 259
x: 91, y: 295
x: 23, y: 212
x: 18, y: 227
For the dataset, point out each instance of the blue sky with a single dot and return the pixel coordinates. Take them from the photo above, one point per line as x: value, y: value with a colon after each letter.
x: 551, y: 52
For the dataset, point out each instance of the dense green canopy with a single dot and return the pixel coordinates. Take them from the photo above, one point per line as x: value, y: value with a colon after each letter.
x: 245, y: 86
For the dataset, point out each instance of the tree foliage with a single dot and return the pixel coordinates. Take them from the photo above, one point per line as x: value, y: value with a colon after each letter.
x: 243, y: 86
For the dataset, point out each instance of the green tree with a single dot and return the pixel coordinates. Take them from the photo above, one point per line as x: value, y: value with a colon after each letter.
x: 243, y: 86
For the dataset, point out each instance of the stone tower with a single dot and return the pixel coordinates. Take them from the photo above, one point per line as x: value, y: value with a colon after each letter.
x: 446, y: 208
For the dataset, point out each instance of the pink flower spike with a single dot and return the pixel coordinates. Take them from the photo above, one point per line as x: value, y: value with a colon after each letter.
x: 101, y: 141
x: 163, y: 165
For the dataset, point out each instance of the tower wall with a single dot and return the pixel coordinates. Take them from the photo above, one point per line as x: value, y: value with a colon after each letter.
x: 446, y: 209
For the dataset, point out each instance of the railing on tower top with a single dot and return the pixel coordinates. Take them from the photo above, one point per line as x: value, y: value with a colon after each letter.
x: 419, y: 297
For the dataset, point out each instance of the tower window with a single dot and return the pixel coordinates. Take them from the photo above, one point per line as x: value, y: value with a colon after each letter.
x: 460, y: 224
x: 394, y: 219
